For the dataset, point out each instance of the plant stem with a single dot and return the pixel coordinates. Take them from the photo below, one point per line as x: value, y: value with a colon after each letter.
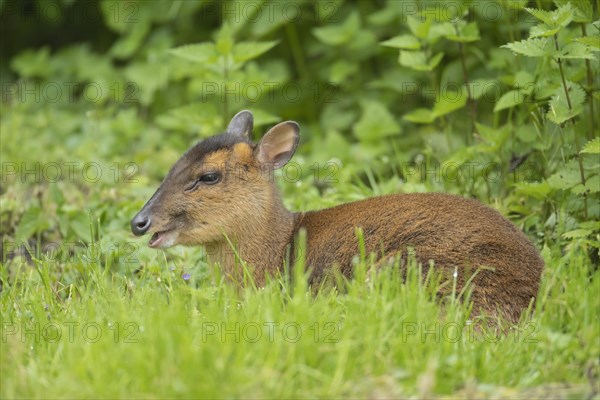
x: 577, y: 146
x: 472, y: 105
x: 590, y: 83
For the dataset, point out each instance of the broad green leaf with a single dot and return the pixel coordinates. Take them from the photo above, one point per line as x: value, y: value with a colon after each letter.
x: 563, y: 15
x: 31, y: 222
x: 592, y: 41
x: 542, y: 15
x: 535, y: 47
x: 200, y: 52
x: 224, y: 40
x: 417, y: 60
x: 340, y: 70
x: 419, y: 26
x: 537, y: 190
x: 480, y: 87
x: 560, y: 17
x: 443, y: 29
x: 467, y: 33
x: 592, y: 185
x: 592, y: 147
x: 129, y: 43
x: 577, y: 233
x: 375, y: 122
x: 525, y: 82
x: 564, y: 179
x: 448, y: 102
x: 245, y: 51
x: 543, y: 30
x: 559, y: 110
x: 493, y: 137
x: 527, y: 133
x: 202, y: 118
x: 149, y: 78
x: 32, y: 63
x: 576, y: 50
x: 509, y: 99
x: 583, y: 10
x: 420, y: 116
x: 593, y: 225
x: 335, y: 35
x: 407, y: 42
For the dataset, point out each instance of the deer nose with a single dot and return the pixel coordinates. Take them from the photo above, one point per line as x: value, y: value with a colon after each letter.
x: 140, y: 224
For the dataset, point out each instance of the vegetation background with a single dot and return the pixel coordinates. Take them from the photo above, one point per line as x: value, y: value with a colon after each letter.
x: 496, y: 100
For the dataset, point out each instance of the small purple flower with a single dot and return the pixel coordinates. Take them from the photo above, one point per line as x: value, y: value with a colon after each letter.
x: 186, y: 277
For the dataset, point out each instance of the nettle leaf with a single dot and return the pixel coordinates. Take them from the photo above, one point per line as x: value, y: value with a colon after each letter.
x: 339, y: 34
x: 592, y: 147
x: 576, y: 50
x: 245, y: 51
x: 542, y: 15
x: 583, y: 10
x: 407, y: 42
x: 559, y: 110
x: 592, y: 185
x: 417, y: 60
x: 533, y: 47
x: 565, y: 178
x: 543, y: 30
x: 200, y: 52
x: 560, y: 17
x: 375, y: 122
x: 509, y: 99
x: 591, y: 41
x: 420, y: 116
x: 563, y: 15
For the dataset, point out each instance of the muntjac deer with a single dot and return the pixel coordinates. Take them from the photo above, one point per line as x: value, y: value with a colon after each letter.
x: 221, y: 193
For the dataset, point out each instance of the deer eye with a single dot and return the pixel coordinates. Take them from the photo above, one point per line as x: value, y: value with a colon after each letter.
x: 209, y: 178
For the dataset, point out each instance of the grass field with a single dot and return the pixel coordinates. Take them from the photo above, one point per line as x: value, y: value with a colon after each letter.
x: 493, y: 100
x: 101, y: 321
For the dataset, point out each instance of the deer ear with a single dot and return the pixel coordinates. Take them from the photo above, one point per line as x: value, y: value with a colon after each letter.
x: 278, y: 145
x: 241, y: 124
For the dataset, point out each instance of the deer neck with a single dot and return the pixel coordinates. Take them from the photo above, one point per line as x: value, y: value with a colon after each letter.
x: 262, y: 247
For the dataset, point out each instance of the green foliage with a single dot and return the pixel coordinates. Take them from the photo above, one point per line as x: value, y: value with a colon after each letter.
x: 391, y: 96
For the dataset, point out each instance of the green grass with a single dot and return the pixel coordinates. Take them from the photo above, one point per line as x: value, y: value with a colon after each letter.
x: 163, y: 336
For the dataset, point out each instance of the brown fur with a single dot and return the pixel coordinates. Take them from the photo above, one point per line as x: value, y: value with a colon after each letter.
x: 246, y: 211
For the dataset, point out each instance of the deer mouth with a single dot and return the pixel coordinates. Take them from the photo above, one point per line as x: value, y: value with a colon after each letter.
x: 163, y: 239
